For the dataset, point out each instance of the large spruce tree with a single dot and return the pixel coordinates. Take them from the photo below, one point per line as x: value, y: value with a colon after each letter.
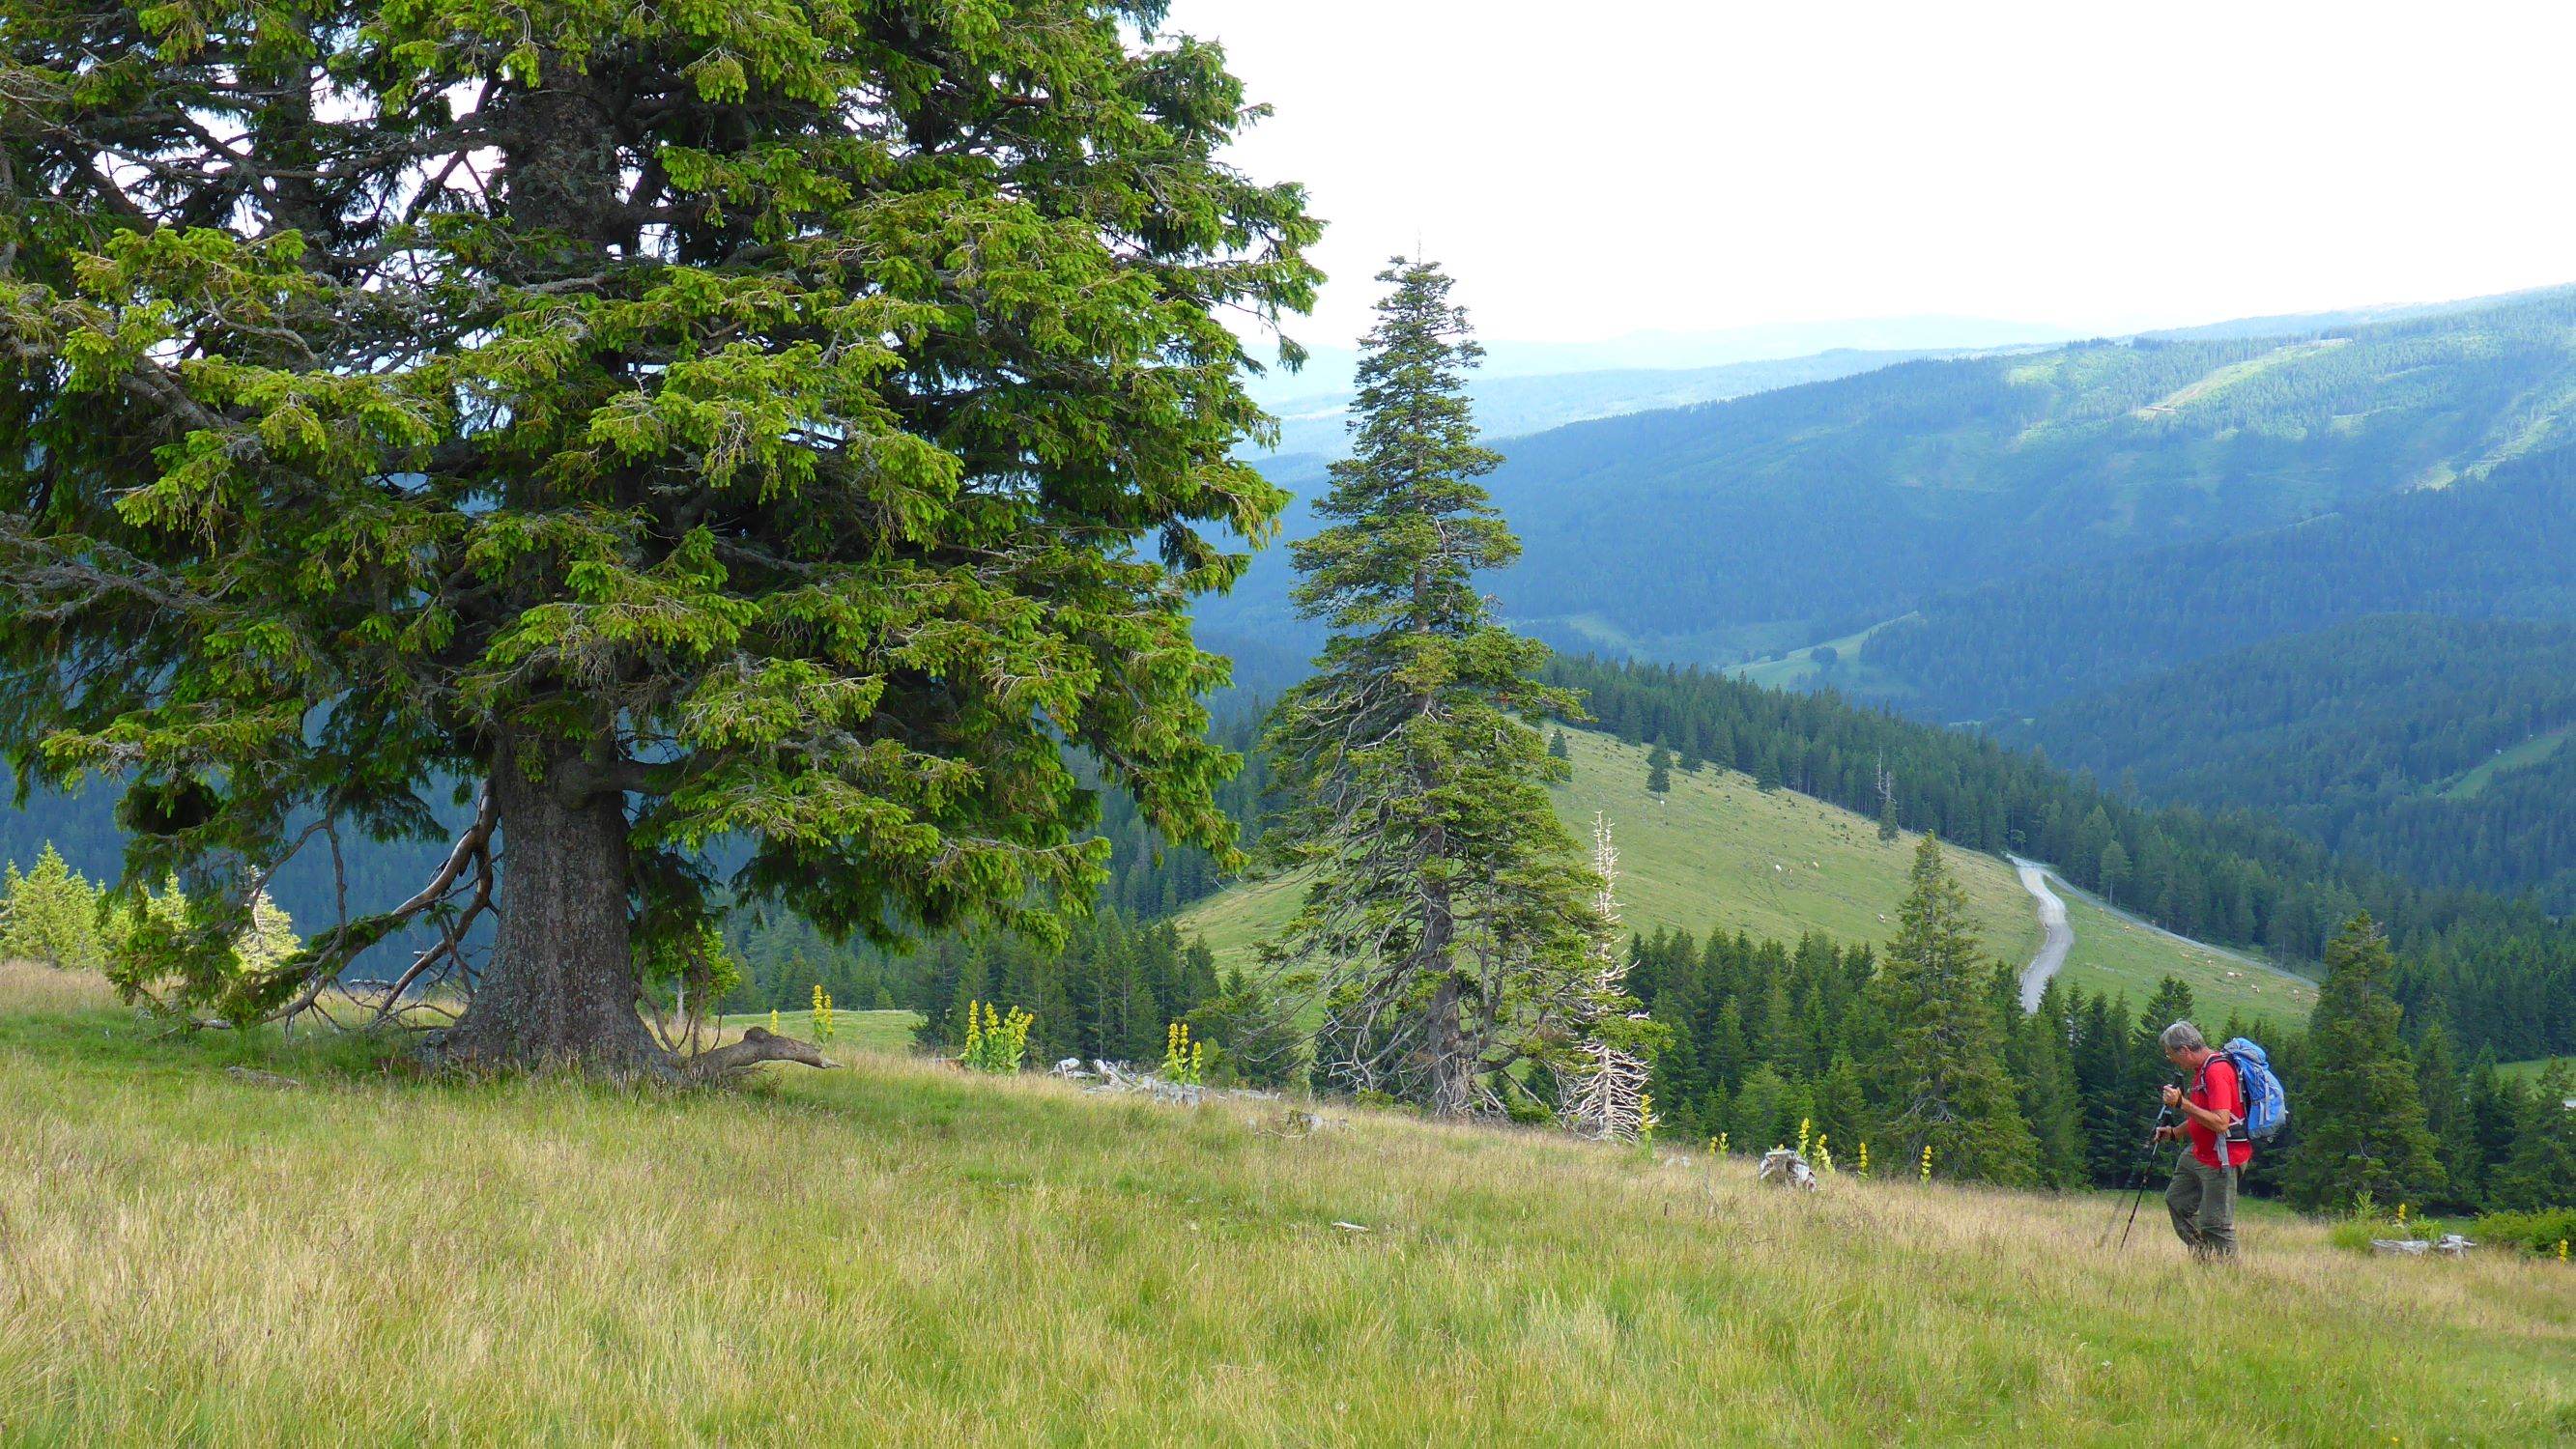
x: 782, y: 425
x: 2359, y: 1114
x: 1943, y: 1078
x: 1445, y: 916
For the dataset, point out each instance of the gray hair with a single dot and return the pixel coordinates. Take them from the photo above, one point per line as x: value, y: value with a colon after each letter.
x: 2182, y: 1036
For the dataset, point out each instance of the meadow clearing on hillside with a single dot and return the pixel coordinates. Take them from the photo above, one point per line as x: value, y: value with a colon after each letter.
x: 2530, y: 1071
x: 1717, y: 852
x: 2114, y: 952
x: 899, y: 1253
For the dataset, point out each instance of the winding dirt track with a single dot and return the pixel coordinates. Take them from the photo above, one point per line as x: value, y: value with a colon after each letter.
x: 2058, y: 937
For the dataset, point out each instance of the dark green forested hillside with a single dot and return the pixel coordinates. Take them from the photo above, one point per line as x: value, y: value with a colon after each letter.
x: 1796, y: 515
x: 2427, y: 746
x: 2495, y: 548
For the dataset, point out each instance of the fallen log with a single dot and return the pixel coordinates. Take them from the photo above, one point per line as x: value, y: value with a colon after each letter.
x: 2449, y: 1245
x: 758, y: 1045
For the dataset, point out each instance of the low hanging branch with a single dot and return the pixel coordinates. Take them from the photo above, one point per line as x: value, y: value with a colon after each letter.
x: 331, y: 952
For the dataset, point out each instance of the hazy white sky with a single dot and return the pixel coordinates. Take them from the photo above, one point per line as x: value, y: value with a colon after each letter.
x: 1591, y: 169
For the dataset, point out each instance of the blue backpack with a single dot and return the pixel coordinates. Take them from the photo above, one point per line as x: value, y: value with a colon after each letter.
x: 2266, y: 1105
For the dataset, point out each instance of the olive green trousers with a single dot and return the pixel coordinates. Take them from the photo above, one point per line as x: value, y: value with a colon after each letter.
x: 2202, y: 1200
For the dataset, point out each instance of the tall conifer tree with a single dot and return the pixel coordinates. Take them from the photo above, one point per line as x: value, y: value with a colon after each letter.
x: 1445, y: 913
x: 1942, y: 1077
x: 786, y: 425
x: 2361, y: 1120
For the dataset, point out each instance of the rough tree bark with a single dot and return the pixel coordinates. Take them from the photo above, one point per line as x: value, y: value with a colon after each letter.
x: 560, y: 987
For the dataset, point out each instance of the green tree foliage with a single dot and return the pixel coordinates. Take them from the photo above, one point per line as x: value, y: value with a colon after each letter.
x: 1762, y: 1029
x: 776, y: 426
x: 2540, y: 1171
x: 1943, y: 1075
x: 1443, y: 911
x: 50, y: 914
x: 2113, y: 873
x: 2361, y: 1115
x: 1659, y: 771
x: 2040, y: 1060
x: 2439, y: 1081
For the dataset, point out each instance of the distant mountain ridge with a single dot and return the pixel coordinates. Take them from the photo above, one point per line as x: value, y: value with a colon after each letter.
x: 1328, y: 369
x: 2501, y: 548
x: 1713, y: 532
x: 1515, y: 405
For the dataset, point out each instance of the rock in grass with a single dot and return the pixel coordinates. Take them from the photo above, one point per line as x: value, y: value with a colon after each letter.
x: 1783, y: 1167
x: 258, y: 1078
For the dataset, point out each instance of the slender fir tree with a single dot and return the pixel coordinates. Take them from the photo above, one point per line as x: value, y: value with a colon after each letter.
x: 1659, y: 770
x: 50, y: 915
x: 2361, y: 1120
x: 1445, y: 917
x: 1943, y: 1077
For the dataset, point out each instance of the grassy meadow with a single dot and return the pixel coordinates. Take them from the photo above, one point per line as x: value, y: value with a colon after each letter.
x: 1717, y: 852
x: 897, y: 1253
x: 1850, y: 671
x: 2530, y: 752
x: 2115, y: 953
x: 2530, y: 1071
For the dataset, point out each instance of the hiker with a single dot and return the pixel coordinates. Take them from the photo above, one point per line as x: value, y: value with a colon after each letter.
x: 2202, y: 1197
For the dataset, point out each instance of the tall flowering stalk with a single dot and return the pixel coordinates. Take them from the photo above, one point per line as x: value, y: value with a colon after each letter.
x: 1184, y: 1060
x: 995, y: 1043
x: 1605, y: 1078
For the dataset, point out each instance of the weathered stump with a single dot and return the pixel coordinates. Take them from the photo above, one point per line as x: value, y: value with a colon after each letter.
x: 1783, y: 1167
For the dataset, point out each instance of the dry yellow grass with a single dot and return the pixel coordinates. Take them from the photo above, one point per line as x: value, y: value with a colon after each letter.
x: 900, y: 1254
x: 28, y: 986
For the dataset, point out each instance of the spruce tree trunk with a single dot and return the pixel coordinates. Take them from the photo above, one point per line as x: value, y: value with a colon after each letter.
x: 560, y: 989
x: 1453, y: 1067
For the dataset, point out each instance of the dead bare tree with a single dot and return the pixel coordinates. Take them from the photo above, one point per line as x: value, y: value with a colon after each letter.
x: 1604, y: 1093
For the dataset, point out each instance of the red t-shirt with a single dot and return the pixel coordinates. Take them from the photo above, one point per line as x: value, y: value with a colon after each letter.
x: 2219, y: 1091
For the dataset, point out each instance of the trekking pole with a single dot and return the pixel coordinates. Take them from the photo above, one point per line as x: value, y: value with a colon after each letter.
x: 2136, y: 1178
x: 2143, y: 1167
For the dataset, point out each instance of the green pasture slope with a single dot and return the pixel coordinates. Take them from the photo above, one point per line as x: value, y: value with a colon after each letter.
x: 2530, y: 752
x: 1719, y: 853
x: 897, y: 1252
x: 2116, y: 953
